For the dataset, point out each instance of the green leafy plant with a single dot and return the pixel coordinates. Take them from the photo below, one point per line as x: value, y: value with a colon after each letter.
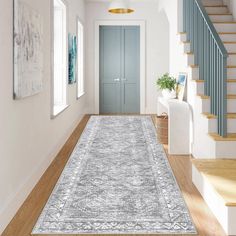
x: 166, y: 82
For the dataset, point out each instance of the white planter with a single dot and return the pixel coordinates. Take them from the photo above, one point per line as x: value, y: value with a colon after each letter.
x: 167, y: 94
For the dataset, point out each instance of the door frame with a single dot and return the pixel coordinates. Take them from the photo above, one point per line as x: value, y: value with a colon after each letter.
x: 142, y: 25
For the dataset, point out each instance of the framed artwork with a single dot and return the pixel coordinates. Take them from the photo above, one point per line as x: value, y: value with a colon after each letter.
x: 181, y: 84
x: 28, y: 50
x: 72, y: 47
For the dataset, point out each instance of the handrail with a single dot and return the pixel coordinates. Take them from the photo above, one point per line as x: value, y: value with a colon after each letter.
x: 211, y: 57
x: 212, y: 29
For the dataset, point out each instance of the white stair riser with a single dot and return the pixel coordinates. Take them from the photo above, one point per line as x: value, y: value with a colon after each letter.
x: 212, y: 125
x: 231, y: 88
x: 225, y: 27
x: 231, y: 104
x: 194, y: 73
x: 190, y: 59
x: 221, y: 18
x: 216, y: 10
x: 186, y: 47
x: 231, y: 73
x: 228, y: 37
x: 183, y: 37
x: 231, y: 61
x: 225, y: 150
x: 205, y: 105
x: 212, y: 2
x: 230, y: 47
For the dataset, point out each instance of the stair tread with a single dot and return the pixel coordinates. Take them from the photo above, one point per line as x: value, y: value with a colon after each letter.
x: 226, y: 32
x: 216, y: 5
x: 221, y: 175
x: 202, y: 81
x: 211, y: 116
x: 229, y: 42
x: 220, y: 14
x: 224, y: 22
x: 217, y: 137
x: 229, y: 96
x: 229, y: 67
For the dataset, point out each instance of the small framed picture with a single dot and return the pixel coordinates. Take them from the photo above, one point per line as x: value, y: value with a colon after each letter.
x: 181, y: 84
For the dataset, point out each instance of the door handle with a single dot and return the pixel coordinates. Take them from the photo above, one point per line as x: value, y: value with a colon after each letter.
x: 124, y: 79
x: 117, y: 80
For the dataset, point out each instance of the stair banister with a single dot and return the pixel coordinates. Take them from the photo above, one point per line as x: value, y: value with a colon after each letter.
x: 211, y: 57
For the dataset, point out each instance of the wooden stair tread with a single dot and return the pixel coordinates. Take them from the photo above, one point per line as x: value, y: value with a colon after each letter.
x: 231, y: 80
x: 229, y: 96
x: 229, y: 42
x: 211, y: 116
x: 194, y: 66
x: 226, y: 32
x: 224, y: 22
x: 220, y: 14
x: 221, y: 174
x: 216, y: 6
x: 202, y: 81
x: 217, y: 137
x: 231, y: 67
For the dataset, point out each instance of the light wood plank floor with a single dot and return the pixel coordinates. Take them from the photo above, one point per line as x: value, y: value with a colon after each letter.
x: 26, y: 217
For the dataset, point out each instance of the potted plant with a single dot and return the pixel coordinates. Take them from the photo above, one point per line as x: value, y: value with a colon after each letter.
x: 167, y: 84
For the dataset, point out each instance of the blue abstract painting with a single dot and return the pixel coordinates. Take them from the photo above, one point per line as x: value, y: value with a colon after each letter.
x: 72, y: 47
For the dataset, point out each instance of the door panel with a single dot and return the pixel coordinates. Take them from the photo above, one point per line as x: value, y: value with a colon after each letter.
x: 110, y: 69
x: 131, y: 72
x: 119, y: 69
x: 110, y: 103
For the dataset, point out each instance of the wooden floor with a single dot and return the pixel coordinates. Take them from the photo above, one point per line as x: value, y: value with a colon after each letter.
x: 26, y: 217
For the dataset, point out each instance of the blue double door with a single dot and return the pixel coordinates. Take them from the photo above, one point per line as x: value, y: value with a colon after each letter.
x: 119, y: 69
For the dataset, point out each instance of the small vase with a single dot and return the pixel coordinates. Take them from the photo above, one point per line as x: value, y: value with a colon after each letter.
x: 167, y: 94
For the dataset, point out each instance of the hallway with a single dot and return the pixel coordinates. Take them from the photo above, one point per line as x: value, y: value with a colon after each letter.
x: 28, y: 214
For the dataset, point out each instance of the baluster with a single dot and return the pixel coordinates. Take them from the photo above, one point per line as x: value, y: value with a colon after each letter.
x: 224, y: 97
x: 211, y: 57
x: 184, y: 15
x: 205, y: 59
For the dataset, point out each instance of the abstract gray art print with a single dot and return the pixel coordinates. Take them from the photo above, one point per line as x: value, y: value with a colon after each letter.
x: 117, y: 181
x: 28, y: 50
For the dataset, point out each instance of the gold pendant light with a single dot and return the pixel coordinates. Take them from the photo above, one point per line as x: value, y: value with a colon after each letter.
x: 120, y: 7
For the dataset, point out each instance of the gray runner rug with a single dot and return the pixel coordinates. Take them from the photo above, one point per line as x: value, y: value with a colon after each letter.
x: 117, y: 181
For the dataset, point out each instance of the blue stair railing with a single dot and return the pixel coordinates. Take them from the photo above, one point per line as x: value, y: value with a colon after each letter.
x: 211, y: 57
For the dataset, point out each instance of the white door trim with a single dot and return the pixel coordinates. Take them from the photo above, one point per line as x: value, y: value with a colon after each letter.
x: 142, y: 25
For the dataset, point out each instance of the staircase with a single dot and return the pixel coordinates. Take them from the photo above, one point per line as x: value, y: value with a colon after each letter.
x: 206, y: 130
x: 209, y: 46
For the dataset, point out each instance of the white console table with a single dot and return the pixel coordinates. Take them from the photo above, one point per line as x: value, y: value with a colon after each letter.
x: 178, y: 126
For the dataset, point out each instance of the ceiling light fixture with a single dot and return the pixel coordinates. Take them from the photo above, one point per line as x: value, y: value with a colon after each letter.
x: 120, y: 7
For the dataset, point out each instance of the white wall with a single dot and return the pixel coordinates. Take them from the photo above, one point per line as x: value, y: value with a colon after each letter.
x: 29, y: 139
x: 157, y: 41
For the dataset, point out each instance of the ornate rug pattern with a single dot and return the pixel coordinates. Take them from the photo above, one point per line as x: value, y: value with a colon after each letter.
x: 117, y: 181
